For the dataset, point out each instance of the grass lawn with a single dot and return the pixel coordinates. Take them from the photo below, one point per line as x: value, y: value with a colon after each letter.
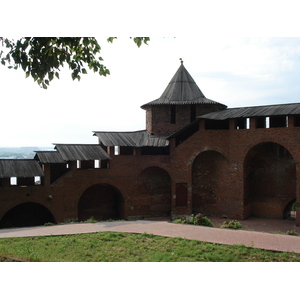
x: 129, y: 247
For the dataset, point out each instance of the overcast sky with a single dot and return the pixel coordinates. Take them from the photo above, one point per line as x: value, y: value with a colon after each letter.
x: 234, y: 71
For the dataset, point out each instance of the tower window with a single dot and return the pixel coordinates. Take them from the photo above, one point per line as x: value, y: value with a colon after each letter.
x: 193, y: 112
x: 173, y: 114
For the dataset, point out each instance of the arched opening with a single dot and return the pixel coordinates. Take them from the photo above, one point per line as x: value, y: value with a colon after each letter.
x: 27, y: 214
x: 154, y: 192
x: 101, y: 201
x: 290, y: 210
x: 269, y: 180
x: 209, y: 185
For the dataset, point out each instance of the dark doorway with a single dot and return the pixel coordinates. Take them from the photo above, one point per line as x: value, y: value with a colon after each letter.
x: 27, y: 214
x: 101, y: 201
x: 181, y: 194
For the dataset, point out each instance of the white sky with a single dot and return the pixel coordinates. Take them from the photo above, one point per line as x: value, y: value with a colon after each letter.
x: 233, y: 71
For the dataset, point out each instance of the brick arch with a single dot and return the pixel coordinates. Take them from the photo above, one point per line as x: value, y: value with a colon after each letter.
x: 153, y: 192
x: 269, y: 180
x: 205, y: 149
x: 27, y: 214
x: 209, y: 182
x: 280, y: 141
x: 101, y: 201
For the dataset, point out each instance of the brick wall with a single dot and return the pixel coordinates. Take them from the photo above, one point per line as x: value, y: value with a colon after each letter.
x: 212, y: 164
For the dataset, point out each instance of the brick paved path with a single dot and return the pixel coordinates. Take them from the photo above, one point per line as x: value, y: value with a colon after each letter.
x: 263, y: 240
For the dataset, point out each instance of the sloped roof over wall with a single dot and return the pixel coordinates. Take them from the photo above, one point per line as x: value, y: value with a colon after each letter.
x: 72, y: 152
x: 255, y: 111
x: 140, y: 138
x: 182, y: 89
x: 46, y: 157
x: 20, y: 168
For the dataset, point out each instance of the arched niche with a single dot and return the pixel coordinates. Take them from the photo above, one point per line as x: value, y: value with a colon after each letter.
x: 153, y: 191
x: 101, y: 201
x: 27, y: 214
x: 209, y: 172
x: 269, y: 180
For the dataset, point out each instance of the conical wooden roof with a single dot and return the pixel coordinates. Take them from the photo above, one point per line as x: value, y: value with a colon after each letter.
x: 182, y: 89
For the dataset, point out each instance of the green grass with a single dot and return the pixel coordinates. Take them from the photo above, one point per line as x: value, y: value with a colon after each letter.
x: 129, y: 247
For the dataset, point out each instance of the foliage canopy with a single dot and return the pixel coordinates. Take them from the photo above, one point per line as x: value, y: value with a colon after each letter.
x: 42, y: 57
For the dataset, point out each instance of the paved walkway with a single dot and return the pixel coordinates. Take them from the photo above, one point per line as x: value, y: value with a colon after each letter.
x: 255, y: 239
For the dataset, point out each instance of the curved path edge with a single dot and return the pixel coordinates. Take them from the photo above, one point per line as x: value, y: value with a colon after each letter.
x: 262, y: 240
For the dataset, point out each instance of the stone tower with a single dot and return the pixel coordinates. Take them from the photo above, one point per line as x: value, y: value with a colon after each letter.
x: 178, y: 106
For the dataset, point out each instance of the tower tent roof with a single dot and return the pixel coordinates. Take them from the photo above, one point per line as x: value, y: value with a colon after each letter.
x: 182, y: 89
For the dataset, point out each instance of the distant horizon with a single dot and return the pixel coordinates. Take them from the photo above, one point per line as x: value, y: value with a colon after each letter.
x: 26, y: 147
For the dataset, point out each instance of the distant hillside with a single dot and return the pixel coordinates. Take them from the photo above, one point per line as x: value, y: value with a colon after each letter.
x: 18, y: 152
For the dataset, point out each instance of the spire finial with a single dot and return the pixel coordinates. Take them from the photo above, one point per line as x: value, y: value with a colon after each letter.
x: 181, y: 61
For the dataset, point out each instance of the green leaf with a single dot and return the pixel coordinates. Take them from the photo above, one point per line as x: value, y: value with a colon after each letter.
x: 138, y: 41
x: 24, y: 65
x: 111, y: 39
x: 50, y: 75
x: 85, y: 41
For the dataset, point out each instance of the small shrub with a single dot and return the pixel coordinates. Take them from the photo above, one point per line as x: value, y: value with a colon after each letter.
x: 234, y: 224
x: 91, y: 220
x: 48, y: 224
x: 292, y: 232
x: 199, y: 219
x: 179, y: 221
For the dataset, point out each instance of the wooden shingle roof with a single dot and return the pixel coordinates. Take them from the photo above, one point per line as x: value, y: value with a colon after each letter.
x: 140, y: 138
x: 72, y: 152
x: 20, y: 168
x: 49, y: 157
x: 254, y: 111
x: 181, y: 90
